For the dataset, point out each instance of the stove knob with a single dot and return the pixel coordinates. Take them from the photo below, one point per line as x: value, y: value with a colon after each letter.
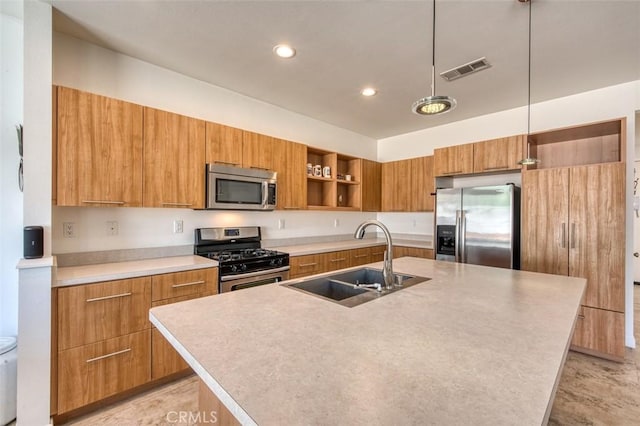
x: 280, y: 262
x: 234, y: 268
x: 272, y: 262
x: 243, y: 267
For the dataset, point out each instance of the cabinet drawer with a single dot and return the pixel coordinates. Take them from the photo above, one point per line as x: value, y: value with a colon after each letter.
x: 400, y: 251
x: 92, y: 372
x: 601, y: 331
x: 377, y: 253
x: 306, y: 265
x: 338, y: 260
x: 165, y: 360
x: 94, y: 312
x: 360, y: 256
x: 184, y: 283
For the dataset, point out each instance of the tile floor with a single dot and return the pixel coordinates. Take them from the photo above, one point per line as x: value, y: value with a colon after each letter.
x: 591, y: 392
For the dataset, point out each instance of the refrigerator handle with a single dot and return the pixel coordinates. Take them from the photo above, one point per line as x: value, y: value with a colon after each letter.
x: 457, y: 236
x: 463, y: 237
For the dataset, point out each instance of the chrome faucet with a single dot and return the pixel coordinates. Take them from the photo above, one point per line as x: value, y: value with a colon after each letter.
x: 387, y: 269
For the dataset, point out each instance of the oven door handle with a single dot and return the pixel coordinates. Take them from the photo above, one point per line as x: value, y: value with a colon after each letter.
x: 254, y: 274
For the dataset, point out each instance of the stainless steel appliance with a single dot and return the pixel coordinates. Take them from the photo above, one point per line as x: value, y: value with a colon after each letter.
x: 242, y: 261
x: 479, y: 225
x: 237, y: 188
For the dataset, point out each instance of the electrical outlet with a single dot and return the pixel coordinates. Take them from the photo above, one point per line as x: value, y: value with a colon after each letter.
x: 68, y: 230
x: 112, y: 227
x: 178, y: 226
x: 336, y: 223
x: 280, y: 223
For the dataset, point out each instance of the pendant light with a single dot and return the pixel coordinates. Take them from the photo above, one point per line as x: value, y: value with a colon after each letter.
x: 432, y: 105
x: 529, y: 160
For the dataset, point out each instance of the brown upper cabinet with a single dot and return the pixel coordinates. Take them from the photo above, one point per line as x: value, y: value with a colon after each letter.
x: 371, y: 186
x: 223, y: 144
x: 99, y: 150
x: 594, y: 143
x: 174, y: 160
x: 407, y: 185
x: 289, y: 161
x: 453, y: 160
x: 257, y: 151
x: 498, y: 154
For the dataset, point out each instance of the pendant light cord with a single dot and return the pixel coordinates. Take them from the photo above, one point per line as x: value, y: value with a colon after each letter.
x: 433, y: 53
x: 529, y: 82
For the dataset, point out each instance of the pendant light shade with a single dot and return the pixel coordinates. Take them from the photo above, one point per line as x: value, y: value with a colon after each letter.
x: 432, y: 105
x: 529, y: 160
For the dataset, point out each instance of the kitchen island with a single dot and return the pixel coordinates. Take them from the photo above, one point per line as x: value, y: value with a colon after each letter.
x: 473, y: 345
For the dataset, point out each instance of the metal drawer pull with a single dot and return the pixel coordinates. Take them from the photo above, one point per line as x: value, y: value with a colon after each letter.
x: 453, y: 172
x: 177, y: 204
x: 361, y: 255
x: 580, y: 316
x: 226, y: 162
x: 564, y: 235
x: 573, y: 235
x: 98, y: 358
x: 302, y: 265
x: 339, y: 260
x: 187, y: 284
x: 96, y: 299
x: 291, y: 208
x: 102, y: 202
x: 496, y: 168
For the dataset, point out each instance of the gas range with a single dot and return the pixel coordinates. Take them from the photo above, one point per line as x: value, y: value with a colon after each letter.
x: 242, y: 262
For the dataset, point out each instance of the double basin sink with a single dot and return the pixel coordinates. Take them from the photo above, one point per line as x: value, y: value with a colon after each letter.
x: 342, y: 287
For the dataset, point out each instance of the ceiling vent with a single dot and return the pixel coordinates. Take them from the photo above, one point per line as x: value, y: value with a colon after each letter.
x: 466, y: 69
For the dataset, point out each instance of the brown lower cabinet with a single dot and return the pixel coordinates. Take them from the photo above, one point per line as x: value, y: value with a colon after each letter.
x: 98, y: 370
x: 599, y: 332
x: 401, y: 251
x: 105, y: 345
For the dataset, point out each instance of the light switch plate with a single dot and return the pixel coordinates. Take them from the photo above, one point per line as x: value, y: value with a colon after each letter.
x: 178, y: 226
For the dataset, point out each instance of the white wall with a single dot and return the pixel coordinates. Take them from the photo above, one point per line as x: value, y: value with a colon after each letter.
x: 94, y: 69
x: 612, y: 102
x: 10, y: 196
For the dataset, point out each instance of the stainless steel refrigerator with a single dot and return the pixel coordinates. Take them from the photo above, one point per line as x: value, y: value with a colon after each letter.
x: 479, y: 225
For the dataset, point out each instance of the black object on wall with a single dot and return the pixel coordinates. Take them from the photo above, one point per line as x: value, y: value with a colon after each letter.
x: 33, y: 242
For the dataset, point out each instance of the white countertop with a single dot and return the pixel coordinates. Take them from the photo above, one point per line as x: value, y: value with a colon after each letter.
x: 473, y: 345
x: 73, y: 275
x: 315, y: 248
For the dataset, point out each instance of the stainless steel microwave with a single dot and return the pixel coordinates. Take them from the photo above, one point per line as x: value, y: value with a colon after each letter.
x: 237, y: 188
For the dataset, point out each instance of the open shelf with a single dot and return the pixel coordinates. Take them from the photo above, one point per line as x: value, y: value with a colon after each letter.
x: 595, y: 143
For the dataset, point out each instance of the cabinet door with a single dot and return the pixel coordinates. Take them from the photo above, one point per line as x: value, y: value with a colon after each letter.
x: 377, y: 253
x: 165, y: 360
x: 92, y: 372
x: 601, y: 331
x: 99, y: 150
x: 498, y: 154
x: 597, y: 233
x: 371, y: 186
x: 396, y: 186
x: 223, y: 144
x: 453, y: 160
x: 289, y: 161
x: 545, y: 221
x: 93, y: 312
x: 174, y: 161
x: 421, y: 184
x: 257, y: 151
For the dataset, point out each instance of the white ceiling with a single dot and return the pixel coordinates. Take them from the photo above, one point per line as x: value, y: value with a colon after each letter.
x: 346, y: 45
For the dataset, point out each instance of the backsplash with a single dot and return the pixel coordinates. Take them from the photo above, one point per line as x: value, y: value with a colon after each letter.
x: 151, y: 227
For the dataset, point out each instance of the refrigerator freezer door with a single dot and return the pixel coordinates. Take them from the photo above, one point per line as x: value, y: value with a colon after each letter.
x: 448, y: 205
x: 489, y: 226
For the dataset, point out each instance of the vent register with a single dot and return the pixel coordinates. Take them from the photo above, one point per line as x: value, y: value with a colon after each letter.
x: 466, y: 69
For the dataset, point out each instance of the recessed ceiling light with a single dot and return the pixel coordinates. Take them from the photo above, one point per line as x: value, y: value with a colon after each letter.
x: 369, y: 91
x: 284, y: 51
